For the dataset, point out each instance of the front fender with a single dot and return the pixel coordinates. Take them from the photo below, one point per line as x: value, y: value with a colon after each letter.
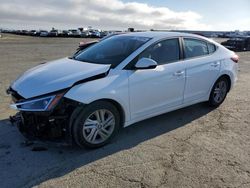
x: 113, y: 87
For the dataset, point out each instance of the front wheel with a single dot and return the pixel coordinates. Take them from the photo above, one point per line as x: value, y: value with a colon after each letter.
x: 96, y: 124
x: 219, y: 92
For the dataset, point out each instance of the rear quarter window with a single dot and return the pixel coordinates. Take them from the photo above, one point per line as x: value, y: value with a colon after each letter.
x: 211, y: 48
x: 195, y: 48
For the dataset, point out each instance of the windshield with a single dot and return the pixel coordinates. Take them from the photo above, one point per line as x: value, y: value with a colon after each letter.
x: 112, y: 50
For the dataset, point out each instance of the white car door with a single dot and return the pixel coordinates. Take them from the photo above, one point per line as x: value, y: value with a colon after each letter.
x: 201, y: 68
x: 153, y: 91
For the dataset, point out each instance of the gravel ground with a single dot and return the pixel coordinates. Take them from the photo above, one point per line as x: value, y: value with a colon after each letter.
x: 192, y: 147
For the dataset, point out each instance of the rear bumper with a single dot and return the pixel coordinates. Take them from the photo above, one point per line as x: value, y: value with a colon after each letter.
x: 235, y: 74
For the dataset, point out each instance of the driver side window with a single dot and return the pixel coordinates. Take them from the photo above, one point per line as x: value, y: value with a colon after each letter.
x: 163, y: 52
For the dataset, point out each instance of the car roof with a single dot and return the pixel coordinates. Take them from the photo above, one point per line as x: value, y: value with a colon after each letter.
x: 156, y: 34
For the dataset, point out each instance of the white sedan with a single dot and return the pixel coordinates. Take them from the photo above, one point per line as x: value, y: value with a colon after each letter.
x: 124, y: 79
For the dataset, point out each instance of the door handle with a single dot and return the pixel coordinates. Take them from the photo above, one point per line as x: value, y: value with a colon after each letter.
x: 215, y: 64
x: 179, y: 73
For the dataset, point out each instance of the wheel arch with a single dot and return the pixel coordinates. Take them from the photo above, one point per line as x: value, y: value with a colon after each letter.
x: 228, y: 78
x: 79, y: 108
x: 224, y: 75
x: 118, y: 107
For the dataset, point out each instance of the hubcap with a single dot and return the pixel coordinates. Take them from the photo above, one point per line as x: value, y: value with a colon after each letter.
x: 99, y: 126
x: 220, y: 91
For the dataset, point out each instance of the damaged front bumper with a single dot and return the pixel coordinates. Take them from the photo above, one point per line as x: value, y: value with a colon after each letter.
x: 50, y: 123
x: 43, y: 126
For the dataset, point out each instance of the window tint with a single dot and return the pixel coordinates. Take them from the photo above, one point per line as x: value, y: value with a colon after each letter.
x: 163, y: 52
x: 211, y: 48
x: 194, y: 48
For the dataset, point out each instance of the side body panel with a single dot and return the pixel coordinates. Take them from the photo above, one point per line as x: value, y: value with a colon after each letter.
x: 230, y: 68
x: 201, y: 73
x: 158, y: 89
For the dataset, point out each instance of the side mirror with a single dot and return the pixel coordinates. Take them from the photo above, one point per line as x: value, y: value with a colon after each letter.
x: 146, y: 63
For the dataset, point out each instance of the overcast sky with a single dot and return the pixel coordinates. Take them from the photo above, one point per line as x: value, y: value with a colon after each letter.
x: 121, y: 14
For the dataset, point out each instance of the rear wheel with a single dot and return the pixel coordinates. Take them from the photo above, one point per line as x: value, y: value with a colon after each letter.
x: 96, y: 124
x: 219, y: 92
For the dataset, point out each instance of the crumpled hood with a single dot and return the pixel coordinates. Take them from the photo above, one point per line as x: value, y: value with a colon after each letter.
x: 54, y: 76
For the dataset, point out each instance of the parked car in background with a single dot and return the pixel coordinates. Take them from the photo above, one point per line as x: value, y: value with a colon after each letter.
x: 63, y: 33
x: 84, y: 34
x: 53, y: 33
x: 33, y: 33
x: 74, y: 33
x: 24, y: 32
x: 94, y: 34
x: 44, y: 33
x: 103, y: 34
x: 17, y: 32
x: 237, y: 44
x: 88, y: 98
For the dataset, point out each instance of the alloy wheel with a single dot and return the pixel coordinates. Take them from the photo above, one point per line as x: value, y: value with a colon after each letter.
x: 99, y: 126
x: 220, y: 91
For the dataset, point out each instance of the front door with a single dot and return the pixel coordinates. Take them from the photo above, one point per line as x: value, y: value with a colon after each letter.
x: 153, y: 91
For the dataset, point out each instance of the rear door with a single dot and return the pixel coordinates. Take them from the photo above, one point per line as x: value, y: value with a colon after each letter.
x: 202, y: 68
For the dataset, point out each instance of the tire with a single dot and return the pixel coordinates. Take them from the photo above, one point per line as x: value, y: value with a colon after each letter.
x: 96, y: 124
x: 218, y: 92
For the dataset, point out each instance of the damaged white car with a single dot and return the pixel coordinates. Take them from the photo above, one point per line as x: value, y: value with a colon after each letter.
x: 127, y: 78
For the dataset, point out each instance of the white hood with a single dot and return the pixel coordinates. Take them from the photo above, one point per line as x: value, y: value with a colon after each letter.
x: 54, y: 76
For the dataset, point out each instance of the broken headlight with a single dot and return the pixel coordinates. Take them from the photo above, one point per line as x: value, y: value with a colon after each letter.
x: 40, y: 104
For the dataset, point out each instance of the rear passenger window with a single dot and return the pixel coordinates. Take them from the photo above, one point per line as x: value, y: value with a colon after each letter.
x: 211, y: 48
x: 195, y: 48
x: 163, y: 52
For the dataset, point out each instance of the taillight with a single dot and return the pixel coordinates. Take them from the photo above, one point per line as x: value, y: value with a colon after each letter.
x: 235, y: 58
